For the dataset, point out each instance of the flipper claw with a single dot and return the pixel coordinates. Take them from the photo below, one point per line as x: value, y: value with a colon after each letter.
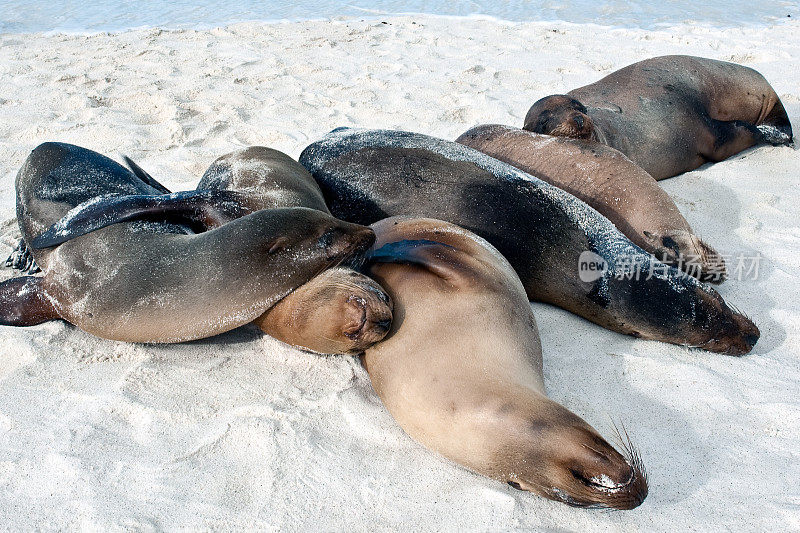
x: 21, y: 259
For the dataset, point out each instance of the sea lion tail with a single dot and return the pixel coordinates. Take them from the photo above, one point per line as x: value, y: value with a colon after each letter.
x: 24, y: 302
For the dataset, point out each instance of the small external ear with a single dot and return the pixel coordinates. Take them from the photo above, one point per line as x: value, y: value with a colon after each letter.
x: 278, y: 245
x: 648, y: 234
x: 670, y: 243
x: 443, y: 260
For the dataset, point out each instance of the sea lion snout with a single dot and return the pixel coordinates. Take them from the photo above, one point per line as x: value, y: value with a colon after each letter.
x: 367, y: 320
x: 742, y: 339
x: 339, y: 311
x: 608, y: 479
x: 726, y: 330
x: 345, y: 240
x: 568, y: 461
x: 559, y: 115
x: 368, y: 314
x: 587, y: 471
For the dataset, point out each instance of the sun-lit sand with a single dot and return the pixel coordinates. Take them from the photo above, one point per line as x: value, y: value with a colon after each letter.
x: 242, y: 431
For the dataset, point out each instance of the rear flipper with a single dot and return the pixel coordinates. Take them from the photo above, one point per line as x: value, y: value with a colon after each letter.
x: 21, y: 258
x: 730, y: 138
x: 774, y: 136
x: 23, y: 302
x: 203, y: 209
x: 776, y: 128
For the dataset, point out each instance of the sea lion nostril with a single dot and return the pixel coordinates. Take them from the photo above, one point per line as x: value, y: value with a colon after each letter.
x: 384, y: 324
x: 751, y: 339
x: 580, y: 477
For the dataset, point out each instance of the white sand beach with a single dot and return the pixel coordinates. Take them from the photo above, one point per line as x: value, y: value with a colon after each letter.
x: 242, y: 432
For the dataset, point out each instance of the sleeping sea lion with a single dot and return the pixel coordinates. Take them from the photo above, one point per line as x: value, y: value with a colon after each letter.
x: 338, y: 311
x: 461, y: 370
x: 669, y: 114
x: 151, y: 280
x: 564, y: 251
x: 609, y: 182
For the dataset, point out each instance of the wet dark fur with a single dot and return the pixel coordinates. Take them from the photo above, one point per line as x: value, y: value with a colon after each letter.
x: 68, y: 175
x: 363, y: 183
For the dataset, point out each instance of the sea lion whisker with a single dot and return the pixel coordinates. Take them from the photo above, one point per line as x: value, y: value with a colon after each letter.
x: 700, y: 256
x: 598, y: 452
x: 633, y: 454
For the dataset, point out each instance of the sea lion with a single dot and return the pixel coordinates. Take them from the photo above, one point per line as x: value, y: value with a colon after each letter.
x: 669, y: 114
x: 263, y: 178
x: 338, y: 311
x: 547, y: 234
x: 609, y: 182
x: 461, y: 370
x: 153, y: 280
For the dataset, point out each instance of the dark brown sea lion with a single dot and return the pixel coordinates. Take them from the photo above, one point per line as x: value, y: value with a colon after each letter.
x: 609, y: 182
x: 461, y: 370
x: 153, y: 280
x: 564, y: 251
x: 669, y: 114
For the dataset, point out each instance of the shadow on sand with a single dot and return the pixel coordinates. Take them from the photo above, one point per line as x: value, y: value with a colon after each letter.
x: 717, y: 225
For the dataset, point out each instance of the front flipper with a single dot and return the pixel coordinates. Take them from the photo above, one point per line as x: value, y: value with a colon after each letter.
x: 144, y: 176
x: 21, y: 258
x: 441, y: 259
x: 203, y: 209
x: 23, y: 302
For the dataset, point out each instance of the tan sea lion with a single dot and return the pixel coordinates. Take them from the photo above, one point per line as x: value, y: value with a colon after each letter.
x: 669, y: 114
x: 146, y: 280
x: 611, y: 183
x: 338, y: 311
x: 461, y: 370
